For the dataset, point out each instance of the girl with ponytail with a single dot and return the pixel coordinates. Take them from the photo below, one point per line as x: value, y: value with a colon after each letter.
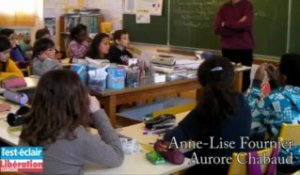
x: 222, y: 115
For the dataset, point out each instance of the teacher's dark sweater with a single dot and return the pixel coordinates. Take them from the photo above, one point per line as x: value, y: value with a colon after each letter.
x: 194, y: 127
x: 235, y: 34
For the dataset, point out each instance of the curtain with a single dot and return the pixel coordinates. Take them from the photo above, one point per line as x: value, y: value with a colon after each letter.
x: 18, y: 12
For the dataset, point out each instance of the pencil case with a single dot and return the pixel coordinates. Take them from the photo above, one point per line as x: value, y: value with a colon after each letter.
x: 14, y: 83
x: 161, y: 122
x: 155, y: 158
x: 172, y: 155
x: 18, y: 98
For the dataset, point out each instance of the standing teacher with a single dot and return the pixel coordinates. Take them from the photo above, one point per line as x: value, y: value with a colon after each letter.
x: 234, y: 24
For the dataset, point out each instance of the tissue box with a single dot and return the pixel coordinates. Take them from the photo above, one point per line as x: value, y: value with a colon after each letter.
x: 116, y: 77
x: 81, y: 70
x: 97, y: 78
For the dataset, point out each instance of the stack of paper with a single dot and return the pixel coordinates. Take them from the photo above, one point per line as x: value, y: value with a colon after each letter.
x: 188, y: 64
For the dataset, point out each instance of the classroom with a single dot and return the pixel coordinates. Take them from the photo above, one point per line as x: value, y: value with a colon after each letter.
x: 149, y: 87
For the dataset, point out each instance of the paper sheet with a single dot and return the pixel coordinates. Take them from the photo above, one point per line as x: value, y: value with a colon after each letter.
x: 143, y: 17
x: 133, y: 6
x: 154, y: 6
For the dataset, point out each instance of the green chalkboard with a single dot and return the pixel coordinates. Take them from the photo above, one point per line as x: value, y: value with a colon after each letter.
x: 295, y: 27
x: 271, y: 26
x: 192, y: 24
x: 155, y: 33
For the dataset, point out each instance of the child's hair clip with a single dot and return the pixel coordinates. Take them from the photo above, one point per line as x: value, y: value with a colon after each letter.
x: 216, y: 69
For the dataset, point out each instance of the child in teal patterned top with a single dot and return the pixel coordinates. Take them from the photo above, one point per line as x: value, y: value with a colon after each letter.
x: 283, y: 104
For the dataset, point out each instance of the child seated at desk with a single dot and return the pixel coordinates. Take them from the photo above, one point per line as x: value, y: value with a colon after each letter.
x: 282, y: 105
x: 42, y: 33
x: 61, y: 112
x: 45, y: 33
x: 80, y: 42
x: 99, y: 47
x: 118, y: 52
x: 16, y: 53
x: 221, y: 113
x: 8, y: 68
x: 43, y: 57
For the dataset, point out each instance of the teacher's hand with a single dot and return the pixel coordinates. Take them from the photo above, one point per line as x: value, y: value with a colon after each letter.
x: 223, y: 24
x: 243, y: 19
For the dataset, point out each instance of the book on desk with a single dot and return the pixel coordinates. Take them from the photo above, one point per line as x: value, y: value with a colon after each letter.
x: 175, y: 67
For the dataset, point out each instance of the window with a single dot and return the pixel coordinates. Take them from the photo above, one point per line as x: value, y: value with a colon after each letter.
x: 19, y: 12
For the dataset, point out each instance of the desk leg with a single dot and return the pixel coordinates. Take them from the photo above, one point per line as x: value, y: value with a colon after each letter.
x: 110, y: 108
x: 238, y: 85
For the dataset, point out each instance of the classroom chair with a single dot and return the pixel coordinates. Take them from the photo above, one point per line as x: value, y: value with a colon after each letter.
x: 175, y: 110
x: 237, y: 168
x: 289, y: 132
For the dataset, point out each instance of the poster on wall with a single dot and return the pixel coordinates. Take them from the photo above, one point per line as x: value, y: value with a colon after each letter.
x: 143, y: 17
x: 50, y: 25
x: 154, y: 6
x: 135, y: 6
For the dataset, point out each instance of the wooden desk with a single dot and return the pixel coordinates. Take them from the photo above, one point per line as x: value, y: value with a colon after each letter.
x: 110, y: 99
x: 11, y: 138
x: 129, y: 166
x: 136, y: 164
x: 297, y: 173
x: 136, y: 131
x: 31, y: 82
x: 149, y: 90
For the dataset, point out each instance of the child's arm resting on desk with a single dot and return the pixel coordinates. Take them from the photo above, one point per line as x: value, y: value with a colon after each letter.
x: 106, y: 151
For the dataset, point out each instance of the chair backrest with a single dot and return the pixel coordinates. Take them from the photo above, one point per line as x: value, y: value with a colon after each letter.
x: 239, y: 165
x: 297, y: 173
x: 290, y: 132
x: 175, y: 110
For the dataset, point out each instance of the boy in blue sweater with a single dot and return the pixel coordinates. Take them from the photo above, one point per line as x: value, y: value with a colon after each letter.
x: 283, y: 104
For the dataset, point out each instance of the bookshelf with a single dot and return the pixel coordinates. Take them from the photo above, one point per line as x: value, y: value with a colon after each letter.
x: 68, y: 21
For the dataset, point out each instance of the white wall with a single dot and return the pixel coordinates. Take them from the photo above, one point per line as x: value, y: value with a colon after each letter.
x: 39, y: 22
x: 111, y: 9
